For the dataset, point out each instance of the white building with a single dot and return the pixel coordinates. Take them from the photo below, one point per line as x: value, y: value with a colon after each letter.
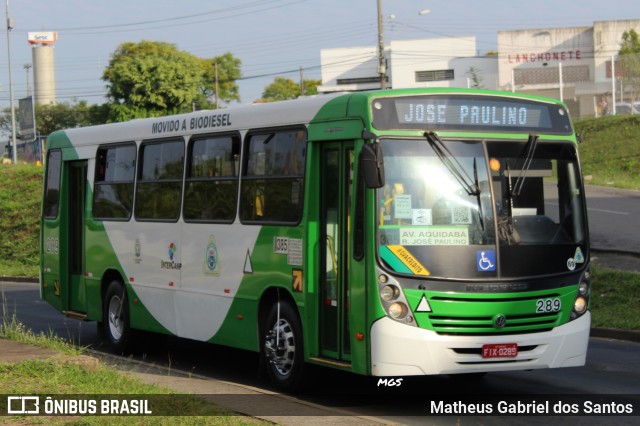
x: 434, y: 62
x: 578, y: 60
x: 572, y: 64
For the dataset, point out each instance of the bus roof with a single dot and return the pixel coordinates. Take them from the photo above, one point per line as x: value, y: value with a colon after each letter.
x: 259, y: 115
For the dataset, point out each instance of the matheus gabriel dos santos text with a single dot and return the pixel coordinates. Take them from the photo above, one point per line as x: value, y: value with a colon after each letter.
x: 533, y: 407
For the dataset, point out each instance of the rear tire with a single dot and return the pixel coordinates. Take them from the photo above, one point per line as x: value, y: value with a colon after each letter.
x: 115, y: 317
x: 283, y: 348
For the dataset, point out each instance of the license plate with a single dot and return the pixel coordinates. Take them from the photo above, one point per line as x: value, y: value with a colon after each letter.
x: 503, y: 350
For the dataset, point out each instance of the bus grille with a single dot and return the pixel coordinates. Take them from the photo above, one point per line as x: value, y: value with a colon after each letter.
x: 451, y: 316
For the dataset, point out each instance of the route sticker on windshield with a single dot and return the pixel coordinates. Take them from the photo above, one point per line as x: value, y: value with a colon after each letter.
x: 434, y: 236
x: 408, y: 260
x: 421, y: 217
x: 571, y: 264
x: 460, y: 215
x: 402, y: 206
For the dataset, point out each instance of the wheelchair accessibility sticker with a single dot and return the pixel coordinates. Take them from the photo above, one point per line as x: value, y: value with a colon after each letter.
x: 486, y: 260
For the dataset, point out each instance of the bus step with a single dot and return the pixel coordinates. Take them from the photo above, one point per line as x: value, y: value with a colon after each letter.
x: 332, y: 362
x: 75, y: 315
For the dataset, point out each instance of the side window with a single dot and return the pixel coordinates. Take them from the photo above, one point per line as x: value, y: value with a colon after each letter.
x: 272, y: 179
x: 52, y: 185
x: 113, y: 187
x: 159, y: 187
x: 211, y: 190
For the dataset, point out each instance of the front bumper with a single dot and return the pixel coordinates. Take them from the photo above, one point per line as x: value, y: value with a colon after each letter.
x: 401, y: 350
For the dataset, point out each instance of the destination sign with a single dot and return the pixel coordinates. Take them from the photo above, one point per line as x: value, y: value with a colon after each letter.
x: 466, y: 112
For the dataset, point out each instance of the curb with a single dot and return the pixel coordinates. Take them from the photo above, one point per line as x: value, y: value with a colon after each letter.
x: 597, y: 250
x: 5, y: 279
x: 613, y: 333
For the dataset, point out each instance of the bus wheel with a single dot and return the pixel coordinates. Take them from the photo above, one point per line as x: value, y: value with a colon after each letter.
x: 283, y: 351
x: 115, y: 316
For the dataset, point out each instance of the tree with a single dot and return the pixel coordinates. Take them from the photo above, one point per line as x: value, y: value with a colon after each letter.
x: 151, y: 79
x: 311, y: 87
x: 629, y: 61
x: 65, y: 115
x: 284, y: 88
x: 228, y: 72
x: 50, y: 118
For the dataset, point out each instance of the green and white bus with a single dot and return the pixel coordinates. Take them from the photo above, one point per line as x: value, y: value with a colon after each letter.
x: 385, y: 233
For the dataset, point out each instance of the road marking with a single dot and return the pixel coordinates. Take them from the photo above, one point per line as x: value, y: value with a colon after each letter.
x: 608, y: 211
x: 594, y: 210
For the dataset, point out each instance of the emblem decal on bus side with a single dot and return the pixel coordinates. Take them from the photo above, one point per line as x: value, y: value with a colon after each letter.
x: 137, y: 252
x: 171, y: 264
x: 211, y: 262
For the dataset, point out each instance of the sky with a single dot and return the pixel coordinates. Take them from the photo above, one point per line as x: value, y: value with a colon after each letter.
x: 271, y: 37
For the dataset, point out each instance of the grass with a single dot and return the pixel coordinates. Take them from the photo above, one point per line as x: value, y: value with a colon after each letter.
x: 36, y: 377
x: 55, y: 378
x: 610, y: 154
x: 20, y: 219
x: 615, y: 297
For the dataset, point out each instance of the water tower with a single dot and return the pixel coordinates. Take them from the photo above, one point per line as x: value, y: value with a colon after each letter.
x: 44, y: 82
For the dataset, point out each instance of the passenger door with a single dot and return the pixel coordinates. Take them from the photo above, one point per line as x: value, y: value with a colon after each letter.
x: 76, y: 188
x: 336, y: 185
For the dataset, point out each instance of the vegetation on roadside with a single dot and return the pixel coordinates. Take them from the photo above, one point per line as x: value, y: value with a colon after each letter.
x: 57, y: 377
x: 47, y: 377
x: 11, y: 328
x: 20, y: 219
x: 610, y: 153
x: 615, y: 297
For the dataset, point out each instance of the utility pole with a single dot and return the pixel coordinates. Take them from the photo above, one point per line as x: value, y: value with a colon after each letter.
x: 27, y: 67
x: 301, y: 82
x: 382, y: 63
x: 10, y: 25
x: 217, y: 87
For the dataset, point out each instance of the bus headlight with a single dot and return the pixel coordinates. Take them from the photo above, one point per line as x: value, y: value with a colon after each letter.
x: 583, y: 289
x: 398, y: 310
x: 580, y: 305
x: 393, y: 300
x: 389, y: 293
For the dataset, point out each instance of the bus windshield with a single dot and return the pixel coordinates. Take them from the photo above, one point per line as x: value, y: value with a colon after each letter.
x: 465, y: 209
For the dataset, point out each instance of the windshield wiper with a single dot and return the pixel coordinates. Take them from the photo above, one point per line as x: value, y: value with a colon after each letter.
x: 530, y: 149
x: 452, y: 164
x: 457, y: 170
x: 477, y: 185
x: 506, y: 229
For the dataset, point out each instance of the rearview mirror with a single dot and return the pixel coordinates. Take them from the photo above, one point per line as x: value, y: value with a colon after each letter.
x: 372, y: 165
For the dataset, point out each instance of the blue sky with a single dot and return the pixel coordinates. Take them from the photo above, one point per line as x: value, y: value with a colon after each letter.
x: 271, y: 37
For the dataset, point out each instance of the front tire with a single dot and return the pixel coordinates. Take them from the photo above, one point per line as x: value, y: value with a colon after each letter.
x: 115, y: 317
x: 282, y: 347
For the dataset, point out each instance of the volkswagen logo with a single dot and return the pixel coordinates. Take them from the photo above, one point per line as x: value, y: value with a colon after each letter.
x: 499, y: 321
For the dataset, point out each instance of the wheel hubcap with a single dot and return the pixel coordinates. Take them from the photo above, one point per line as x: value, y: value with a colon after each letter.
x: 115, y: 322
x: 280, y: 347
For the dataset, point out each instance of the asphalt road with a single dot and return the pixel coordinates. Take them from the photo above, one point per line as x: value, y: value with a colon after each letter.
x: 613, y: 218
x: 612, y: 374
